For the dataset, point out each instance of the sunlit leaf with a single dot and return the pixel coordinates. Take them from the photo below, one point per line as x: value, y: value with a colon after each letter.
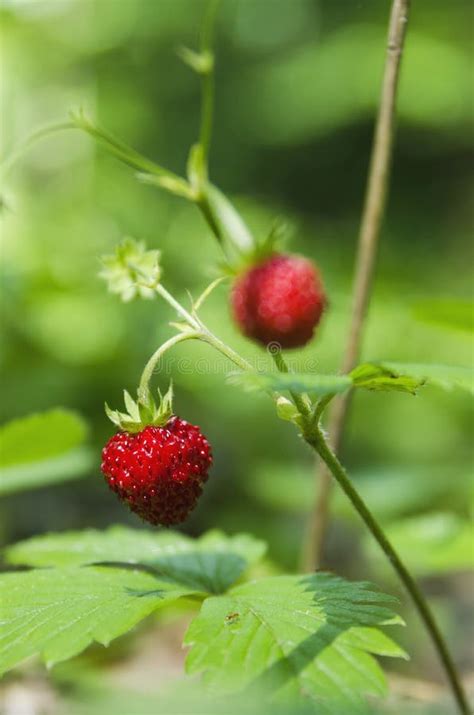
x: 210, y: 563
x: 57, y: 613
x: 291, y: 635
x: 42, y: 449
x: 446, y: 376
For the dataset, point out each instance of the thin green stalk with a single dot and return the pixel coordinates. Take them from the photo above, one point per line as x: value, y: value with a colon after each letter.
x: 317, y: 440
x: 42, y: 133
x: 281, y: 365
x: 371, y: 224
x: 157, y: 355
x: 190, y: 319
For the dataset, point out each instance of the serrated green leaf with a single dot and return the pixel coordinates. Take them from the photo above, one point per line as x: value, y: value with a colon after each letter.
x: 379, y: 378
x: 211, y: 563
x: 291, y: 635
x: 57, y: 613
x: 299, y: 382
x: 447, y: 377
x: 42, y: 449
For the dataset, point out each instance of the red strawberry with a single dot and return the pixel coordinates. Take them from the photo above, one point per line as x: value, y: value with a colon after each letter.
x: 157, y: 463
x: 158, y: 471
x: 279, y: 300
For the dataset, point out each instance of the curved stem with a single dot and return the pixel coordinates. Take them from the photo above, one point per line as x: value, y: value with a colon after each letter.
x: 228, y: 352
x: 317, y: 441
x: 42, y: 133
x: 371, y: 223
x: 190, y: 319
x: 157, y: 355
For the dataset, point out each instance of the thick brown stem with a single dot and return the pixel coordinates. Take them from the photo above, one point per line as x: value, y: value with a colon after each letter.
x: 372, y: 216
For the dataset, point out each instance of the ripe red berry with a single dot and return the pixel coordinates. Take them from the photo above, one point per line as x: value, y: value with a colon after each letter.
x: 279, y: 300
x: 159, y: 471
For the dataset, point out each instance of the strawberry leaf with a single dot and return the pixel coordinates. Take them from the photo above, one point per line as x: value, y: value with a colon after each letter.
x: 292, y: 635
x: 299, y: 382
x: 57, y: 613
x: 211, y: 563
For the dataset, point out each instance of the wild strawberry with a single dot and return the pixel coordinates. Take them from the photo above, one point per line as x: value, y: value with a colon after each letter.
x: 158, y: 469
x: 279, y: 300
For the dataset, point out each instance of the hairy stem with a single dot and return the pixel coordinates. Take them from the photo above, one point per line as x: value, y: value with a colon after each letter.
x: 316, y: 439
x: 372, y: 217
x: 280, y: 362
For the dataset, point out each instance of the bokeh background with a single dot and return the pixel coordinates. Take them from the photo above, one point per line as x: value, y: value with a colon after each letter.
x: 297, y: 89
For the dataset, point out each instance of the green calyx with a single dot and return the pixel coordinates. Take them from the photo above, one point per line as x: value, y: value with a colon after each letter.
x: 132, y: 271
x: 272, y: 243
x: 143, y: 412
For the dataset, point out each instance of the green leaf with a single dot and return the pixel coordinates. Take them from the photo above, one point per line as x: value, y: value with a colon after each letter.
x: 408, y: 377
x: 299, y: 382
x: 42, y: 449
x: 211, y: 563
x: 447, y: 312
x: 377, y: 377
x: 291, y: 635
x: 447, y: 377
x: 435, y: 543
x: 228, y: 221
x: 57, y: 613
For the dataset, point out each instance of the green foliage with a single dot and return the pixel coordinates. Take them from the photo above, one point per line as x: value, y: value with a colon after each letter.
x: 41, y: 449
x: 448, y: 377
x: 229, y: 225
x: 57, y: 613
x: 132, y: 271
x: 319, y: 385
x: 434, y: 543
x: 384, y: 377
x: 451, y: 313
x: 380, y: 378
x: 311, y: 634
x: 210, y: 563
x: 292, y: 635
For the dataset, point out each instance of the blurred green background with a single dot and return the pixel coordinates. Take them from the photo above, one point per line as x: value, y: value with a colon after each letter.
x: 297, y: 89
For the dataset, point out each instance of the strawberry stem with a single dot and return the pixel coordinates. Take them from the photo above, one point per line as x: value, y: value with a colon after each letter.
x: 317, y: 440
